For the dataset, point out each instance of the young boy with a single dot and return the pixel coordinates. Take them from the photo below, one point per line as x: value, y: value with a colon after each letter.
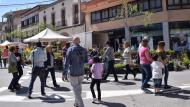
x: 157, y: 68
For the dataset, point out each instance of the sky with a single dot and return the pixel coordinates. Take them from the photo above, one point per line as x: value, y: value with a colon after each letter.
x: 3, y: 10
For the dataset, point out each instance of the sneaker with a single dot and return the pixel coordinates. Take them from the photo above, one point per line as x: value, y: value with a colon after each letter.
x: 29, y: 96
x: 11, y: 89
x: 99, y: 101
x: 147, y: 86
x: 56, y: 86
x: 135, y: 75
x: 167, y: 87
x: 94, y: 100
x: 43, y: 94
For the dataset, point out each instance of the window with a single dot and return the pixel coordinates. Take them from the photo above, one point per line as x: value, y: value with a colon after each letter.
x: 44, y: 20
x: 63, y: 17
x: 139, y: 6
x: 33, y: 19
x: 53, y: 19
x: 22, y: 23
x: 30, y: 21
x: 105, y: 15
x: 96, y: 17
x: 75, y: 14
x: 145, y: 5
x: 178, y: 4
x: 113, y: 12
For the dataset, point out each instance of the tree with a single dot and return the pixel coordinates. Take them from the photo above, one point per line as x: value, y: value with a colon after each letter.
x: 131, y: 9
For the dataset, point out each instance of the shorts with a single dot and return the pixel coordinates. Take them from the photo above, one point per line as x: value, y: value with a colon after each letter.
x: 157, y: 83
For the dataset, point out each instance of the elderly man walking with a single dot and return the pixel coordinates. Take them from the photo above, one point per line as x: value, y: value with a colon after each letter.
x: 74, y: 67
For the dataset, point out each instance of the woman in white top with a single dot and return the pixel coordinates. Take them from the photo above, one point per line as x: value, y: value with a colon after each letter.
x: 127, y: 59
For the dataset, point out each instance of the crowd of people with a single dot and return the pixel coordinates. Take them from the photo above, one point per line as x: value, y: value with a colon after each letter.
x: 74, y: 58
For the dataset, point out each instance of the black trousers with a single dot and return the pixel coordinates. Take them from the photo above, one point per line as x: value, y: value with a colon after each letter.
x: 1, y: 63
x: 128, y: 69
x: 97, y: 82
x: 13, y: 83
x: 20, y: 73
x: 52, y: 71
x: 37, y: 71
x: 111, y: 69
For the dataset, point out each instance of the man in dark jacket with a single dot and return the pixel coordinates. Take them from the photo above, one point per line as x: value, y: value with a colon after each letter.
x: 19, y: 64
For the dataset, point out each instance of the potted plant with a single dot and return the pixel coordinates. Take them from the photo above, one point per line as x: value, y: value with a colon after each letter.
x: 185, y: 60
x: 119, y: 67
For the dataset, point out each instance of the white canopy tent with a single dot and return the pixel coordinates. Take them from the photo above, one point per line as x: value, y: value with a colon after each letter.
x: 19, y: 44
x: 47, y: 35
x: 5, y: 43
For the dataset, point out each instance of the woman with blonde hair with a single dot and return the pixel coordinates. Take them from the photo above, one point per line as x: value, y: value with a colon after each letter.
x: 50, y: 66
x: 127, y: 59
x: 163, y: 58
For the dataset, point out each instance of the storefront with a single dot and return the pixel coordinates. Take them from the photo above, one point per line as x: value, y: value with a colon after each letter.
x: 153, y: 32
x: 179, y: 31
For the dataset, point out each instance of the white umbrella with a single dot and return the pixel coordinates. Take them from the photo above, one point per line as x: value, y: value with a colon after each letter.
x: 19, y: 44
x: 5, y: 43
x: 47, y: 35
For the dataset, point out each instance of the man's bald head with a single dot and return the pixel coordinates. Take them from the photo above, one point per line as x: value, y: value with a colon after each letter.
x: 76, y: 40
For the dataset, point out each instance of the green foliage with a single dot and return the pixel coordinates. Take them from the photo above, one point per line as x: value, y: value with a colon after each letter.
x: 185, y: 59
x: 118, y: 55
x: 86, y: 67
x: 170, y: 52
x: 57, y: 55
x: 119, y: 66
x: 152, y: 52
x: 42, y: 26
x: 147, y: 18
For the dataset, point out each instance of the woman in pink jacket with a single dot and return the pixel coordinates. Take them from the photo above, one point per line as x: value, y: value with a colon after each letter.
x: 5, y: 56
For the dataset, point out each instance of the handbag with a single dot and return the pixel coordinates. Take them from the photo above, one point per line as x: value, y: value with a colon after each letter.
x: 12, y: 68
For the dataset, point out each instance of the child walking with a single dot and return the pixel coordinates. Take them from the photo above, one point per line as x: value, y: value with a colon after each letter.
x: 157, y: 68
x: 97, y: 71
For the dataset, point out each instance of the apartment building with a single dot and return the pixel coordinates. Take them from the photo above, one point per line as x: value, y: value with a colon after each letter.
x: 30, y: 20
x: 65, y: 15
x: 11, y: 21
x: 168, y: 21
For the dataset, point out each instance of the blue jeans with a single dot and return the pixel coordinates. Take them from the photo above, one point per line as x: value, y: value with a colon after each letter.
x: 37, y: 72
x: 157, y: 83
x: 146, y: 74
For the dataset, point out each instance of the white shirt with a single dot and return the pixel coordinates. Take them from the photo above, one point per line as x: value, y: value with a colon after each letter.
x: 38, y: 57
x: 126, y: 55
x: 157, y: 68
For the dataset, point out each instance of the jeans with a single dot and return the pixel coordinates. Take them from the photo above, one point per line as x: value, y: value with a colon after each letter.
x: 52, y: 71
x: 128, y: 69
x: 37, y: 72
x: 97, y: 82
x: 157, y: 83
x: 166, y: 74
x: 13, y: 83
x: 5, y: 62
x: 111, y: 69
x: 76, y: 83
x: 146, y: 74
